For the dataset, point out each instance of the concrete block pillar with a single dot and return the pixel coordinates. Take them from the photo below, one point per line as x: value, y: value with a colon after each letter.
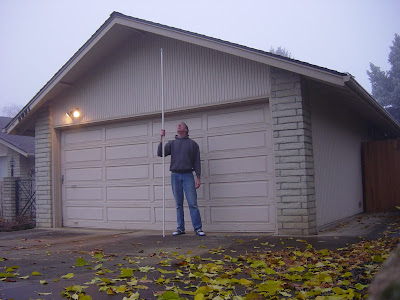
x: 9, y: 198
x: 294, y: 162
x: 43, y: 127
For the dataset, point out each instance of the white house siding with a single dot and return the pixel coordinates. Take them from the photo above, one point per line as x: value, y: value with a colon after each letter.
x: 126, y: 82
x: 3, y: 161
x: 337, y: 135
x: 113, y: 177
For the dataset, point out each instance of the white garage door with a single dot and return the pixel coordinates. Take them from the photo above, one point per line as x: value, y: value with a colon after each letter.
x: 112, y: 177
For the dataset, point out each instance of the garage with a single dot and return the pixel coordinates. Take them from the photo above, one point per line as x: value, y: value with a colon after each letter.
x: 112, y: 177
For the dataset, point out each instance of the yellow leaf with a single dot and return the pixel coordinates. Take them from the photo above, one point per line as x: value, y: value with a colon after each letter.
x: 199, y: 297
x: 338, y: 290
x: 360, y: 286
x: 68, y: 276
x: 126, y: 273
x: 347, y: 274
x: 258, y: 264
x: 81, y: 262
x: 36, y: 274
x: 297, y: 269
x: 324, y: 277
x: 203, y: 290
x: 43, y: 282
x: 244, y: 281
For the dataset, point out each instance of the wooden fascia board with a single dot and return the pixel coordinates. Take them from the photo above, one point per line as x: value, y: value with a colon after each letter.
x: 16, y: 149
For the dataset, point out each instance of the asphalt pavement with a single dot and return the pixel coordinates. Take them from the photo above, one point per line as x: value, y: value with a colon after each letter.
x: 41, y: 257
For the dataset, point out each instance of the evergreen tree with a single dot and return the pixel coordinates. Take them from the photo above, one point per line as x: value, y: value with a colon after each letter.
x: 386, y: 85
x: 280, y: 51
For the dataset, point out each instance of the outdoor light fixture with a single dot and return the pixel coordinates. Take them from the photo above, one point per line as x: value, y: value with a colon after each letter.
x: 74, y: 113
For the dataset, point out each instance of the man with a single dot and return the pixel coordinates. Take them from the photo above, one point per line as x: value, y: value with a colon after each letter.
x: 185, y: 158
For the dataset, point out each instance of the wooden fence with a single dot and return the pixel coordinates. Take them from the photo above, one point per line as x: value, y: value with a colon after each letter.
x: 381, y: 161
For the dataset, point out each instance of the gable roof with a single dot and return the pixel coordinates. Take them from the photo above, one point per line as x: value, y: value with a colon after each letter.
x: 25, y: 145
x: 119, y: 27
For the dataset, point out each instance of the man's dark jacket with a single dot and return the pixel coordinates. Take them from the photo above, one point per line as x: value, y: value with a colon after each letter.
x: 185, y: 155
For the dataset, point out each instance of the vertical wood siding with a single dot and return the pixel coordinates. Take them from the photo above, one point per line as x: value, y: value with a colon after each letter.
x: 127, y: 81
x: 337, y: 136
x: 382, y: 175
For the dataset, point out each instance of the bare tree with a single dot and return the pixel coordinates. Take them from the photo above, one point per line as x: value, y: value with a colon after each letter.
x: 10, y: 110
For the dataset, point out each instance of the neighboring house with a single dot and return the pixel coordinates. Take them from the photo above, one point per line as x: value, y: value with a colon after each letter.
x: 280, y: 139
x: 17, y: 155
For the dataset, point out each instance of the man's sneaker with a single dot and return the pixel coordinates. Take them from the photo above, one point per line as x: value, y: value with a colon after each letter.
x: 200, y: 232
x: 178, y: 232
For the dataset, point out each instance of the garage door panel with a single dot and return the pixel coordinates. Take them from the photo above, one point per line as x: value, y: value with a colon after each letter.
x: 83, y: 193
x: 131, y: 131
x: 236, y: 141
x: 238, y: 165
x: 128, y: 193
x: 252, y: 214
x: 168, y: 191
x: 79, y: 174
x: 127, y: 172
x: 91, y: 154
x: 129, y: 214
x: 83, y: 137
x: 235, y: 118
x: 126, y: 151
x: 238, y: 189
x: 84, y: 213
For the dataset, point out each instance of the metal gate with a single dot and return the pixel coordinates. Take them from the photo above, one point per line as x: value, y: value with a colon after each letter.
x: 25, y: 196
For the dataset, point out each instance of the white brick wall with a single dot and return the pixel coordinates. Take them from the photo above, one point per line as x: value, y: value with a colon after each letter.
x: 43, y: 168
x: 9, y: 208
x: 294, y: 164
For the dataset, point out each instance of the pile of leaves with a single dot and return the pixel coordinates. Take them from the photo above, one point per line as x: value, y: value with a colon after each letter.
x: 299, y: 272
x: 20, y: 223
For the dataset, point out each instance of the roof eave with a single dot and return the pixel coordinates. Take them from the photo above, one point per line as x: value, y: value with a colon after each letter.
x: 234, y: 49
x: 357, y: 88
x: 16, y: 149
x: 57, y: 78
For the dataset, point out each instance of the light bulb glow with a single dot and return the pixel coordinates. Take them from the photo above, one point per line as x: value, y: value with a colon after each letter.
x: 76, y: 113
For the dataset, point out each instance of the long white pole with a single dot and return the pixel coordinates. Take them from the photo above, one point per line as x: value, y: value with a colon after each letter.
x: 163, y: 138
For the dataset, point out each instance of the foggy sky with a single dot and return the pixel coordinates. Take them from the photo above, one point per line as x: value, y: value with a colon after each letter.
x: 38, y: 37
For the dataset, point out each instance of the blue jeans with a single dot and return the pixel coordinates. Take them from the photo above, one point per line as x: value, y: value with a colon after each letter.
x: 184, y: 182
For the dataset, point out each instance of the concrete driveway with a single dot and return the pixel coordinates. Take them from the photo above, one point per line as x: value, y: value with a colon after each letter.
x: 54, y: 253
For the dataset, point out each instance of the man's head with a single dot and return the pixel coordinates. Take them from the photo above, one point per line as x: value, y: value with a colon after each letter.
x: 182, y: 129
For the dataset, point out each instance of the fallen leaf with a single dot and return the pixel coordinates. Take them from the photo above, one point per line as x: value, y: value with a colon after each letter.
x: 68, y: 276
x: 36, y: 274
x: 81, y: 262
